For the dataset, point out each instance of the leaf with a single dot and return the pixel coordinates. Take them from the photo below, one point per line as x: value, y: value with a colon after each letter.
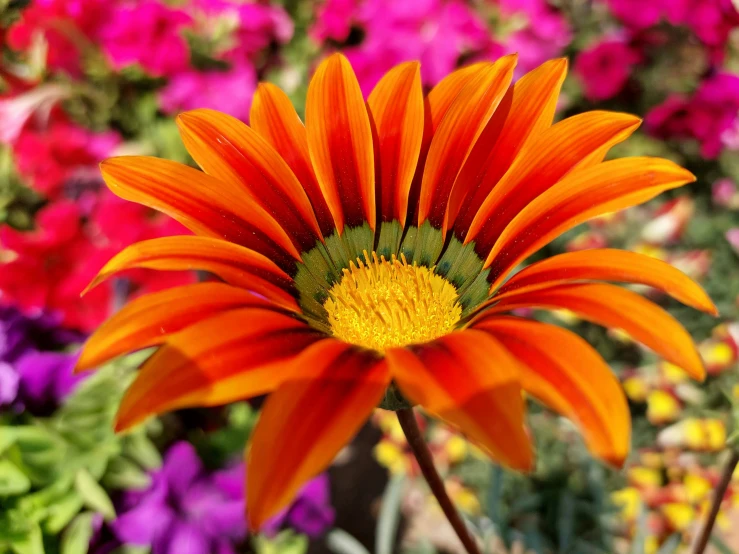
x: 387, y: 521
x: 566, y: 520
x: 93, y: 495
x: 61, y: 512
x: 76, y: 537
x: 339, y: 541
x: 12, y: 480
x: 7, y: 438
x: 122, y: 473
x: 720, y: 545
x: 32, y: 542
x: 140, y: 449
x: 671, y: 545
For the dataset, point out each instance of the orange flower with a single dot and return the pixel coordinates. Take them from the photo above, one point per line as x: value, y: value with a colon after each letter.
x: 370, y: 247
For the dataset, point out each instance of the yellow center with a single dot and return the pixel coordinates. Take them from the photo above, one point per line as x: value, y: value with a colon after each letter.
x: 380, y: 304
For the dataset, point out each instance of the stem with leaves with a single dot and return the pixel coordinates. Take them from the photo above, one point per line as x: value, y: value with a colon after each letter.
x: 420, y: 449
x: 701, y: 540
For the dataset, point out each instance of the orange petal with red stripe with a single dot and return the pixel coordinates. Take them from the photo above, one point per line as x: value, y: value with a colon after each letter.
x: 340, y: 143
x: 567, y: 374
x: 234, y: 264
x: 231, y: 356
x: 275, y: 119
x: 615, y: 307
x: 235, y: 154
x: 469, y: 380
x: 457, y: 133
x: 542, y: 163
x: 200, y: 202
x: 526, y: 111
x: 608, y: 264
x: 397, y: 110
x: 308, y: 420
x: 581, y: 195
x: 150, y: 319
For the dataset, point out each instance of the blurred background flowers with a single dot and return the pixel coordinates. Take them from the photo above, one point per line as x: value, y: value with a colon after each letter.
x: 81, y: 80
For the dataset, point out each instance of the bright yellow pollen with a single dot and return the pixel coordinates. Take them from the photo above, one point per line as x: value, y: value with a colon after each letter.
x: 380, y: 304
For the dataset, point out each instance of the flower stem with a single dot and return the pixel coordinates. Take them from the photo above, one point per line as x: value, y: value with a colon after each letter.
x: 420, y: 449
x: 701, y: 540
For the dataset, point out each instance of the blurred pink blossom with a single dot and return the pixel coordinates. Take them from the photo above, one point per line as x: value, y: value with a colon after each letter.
x: 637, y: 14
x: 147, y: 33
x: 604, y: 68
x: 50, y: 157
x: 228, y: 91
x: 725, y: 193
x: 439, y: 33
x: 732, y: 235
x: 710, y: 20
x: 17, y: 109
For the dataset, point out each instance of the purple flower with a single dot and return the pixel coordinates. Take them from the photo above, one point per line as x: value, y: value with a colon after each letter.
x: 228, y: 91
x: 187, y: 510
x: 33, y: 376
x: 147, y: 33
x: 604, y: 68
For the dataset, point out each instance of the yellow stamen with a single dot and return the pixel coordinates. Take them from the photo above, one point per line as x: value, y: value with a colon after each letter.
x: 380, y: 304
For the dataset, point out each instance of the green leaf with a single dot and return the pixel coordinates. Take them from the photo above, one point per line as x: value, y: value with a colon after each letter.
x: 12, y: 480
x: 7, y: 437
x: 32, y: 542
x: 140, y: 449
x: 671, y: 545
x: 339, y: 541
x: 61, y: 513
x: 387, y: 521
x: 93, y: 495
x: 122, y: 473
x: 76, y: 537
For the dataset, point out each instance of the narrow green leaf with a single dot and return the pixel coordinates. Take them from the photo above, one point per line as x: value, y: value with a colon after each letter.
x: 31, y: 543
x: 61, y: 512
x: 339, y: 541
x: 93, y: 495
x: 12, y: 480
x: 387, y: 521
x: 76, y: 537
x: 671, y: 545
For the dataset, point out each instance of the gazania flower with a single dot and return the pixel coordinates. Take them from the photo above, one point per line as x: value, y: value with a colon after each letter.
x: 363, y: 260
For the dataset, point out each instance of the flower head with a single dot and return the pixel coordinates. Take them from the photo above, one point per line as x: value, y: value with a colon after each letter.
x: 372, y: 246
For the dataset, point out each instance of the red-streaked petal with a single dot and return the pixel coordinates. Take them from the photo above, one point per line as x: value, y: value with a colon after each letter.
x: 542, y: 163
x: 581, y: 195
x: 308, y: 420
x: 397, y: 110
x: 231, y: 356
x: 230, y: 151
x: 340, y: 143
x: 526, y: 111
x: 469, y: 380
x: 149, y: 320
x: 234, y: 264
x: 275, y: 119
x: 616, y: 307
x: 608, y: 264
x: 200, y: 202
x: 567, y: 374
x: 456, y: 135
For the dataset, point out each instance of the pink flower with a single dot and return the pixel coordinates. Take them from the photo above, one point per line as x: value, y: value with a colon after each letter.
x: 710, y: 20
x: 725, y: 194
x: 228, y: 91
x: 439, y: 33
x: 63, y: 152
x: 147, y: 33
x: 732, y: 235
x: 46, y: 18
x: 604, y: 68
x: 48, y: 268
x: 668, y: 222
x: 16, y: 110
x: 638, y: 14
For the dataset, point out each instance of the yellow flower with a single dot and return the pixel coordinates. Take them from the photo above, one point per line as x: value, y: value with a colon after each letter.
x: 679, y: 515
x: 392, y: 456
x: 662, y: 407
x: 629, y: 500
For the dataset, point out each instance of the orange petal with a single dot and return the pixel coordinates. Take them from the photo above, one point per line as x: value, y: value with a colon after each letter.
x: 457, y: 134
x: 235, y: 154
x: 469, y: 380
x: 567, y: 374
x: 234, y: 264
x: 149, y: 320
x: 615, y: 307
x: 542, y: 163
x: 200, y: 202
x: 608, y: 265
x: 581, y: 195
x: 230, y: 356
x: 308, y: 420
x: 275, y: 119
x: 340, y: 143
x: 526, y: 111
x: 397, y: 110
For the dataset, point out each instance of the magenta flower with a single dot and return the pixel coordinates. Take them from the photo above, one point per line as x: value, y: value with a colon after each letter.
x: 62, y: 153
x: 638, y: 14
x: 604, y: 68
x: 710, y: 20
x: 228, y: 91
x: 148, y: 34
x: 732, y: 235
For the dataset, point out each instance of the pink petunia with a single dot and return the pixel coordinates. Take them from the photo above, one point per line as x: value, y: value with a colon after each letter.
x: 604, y: 69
